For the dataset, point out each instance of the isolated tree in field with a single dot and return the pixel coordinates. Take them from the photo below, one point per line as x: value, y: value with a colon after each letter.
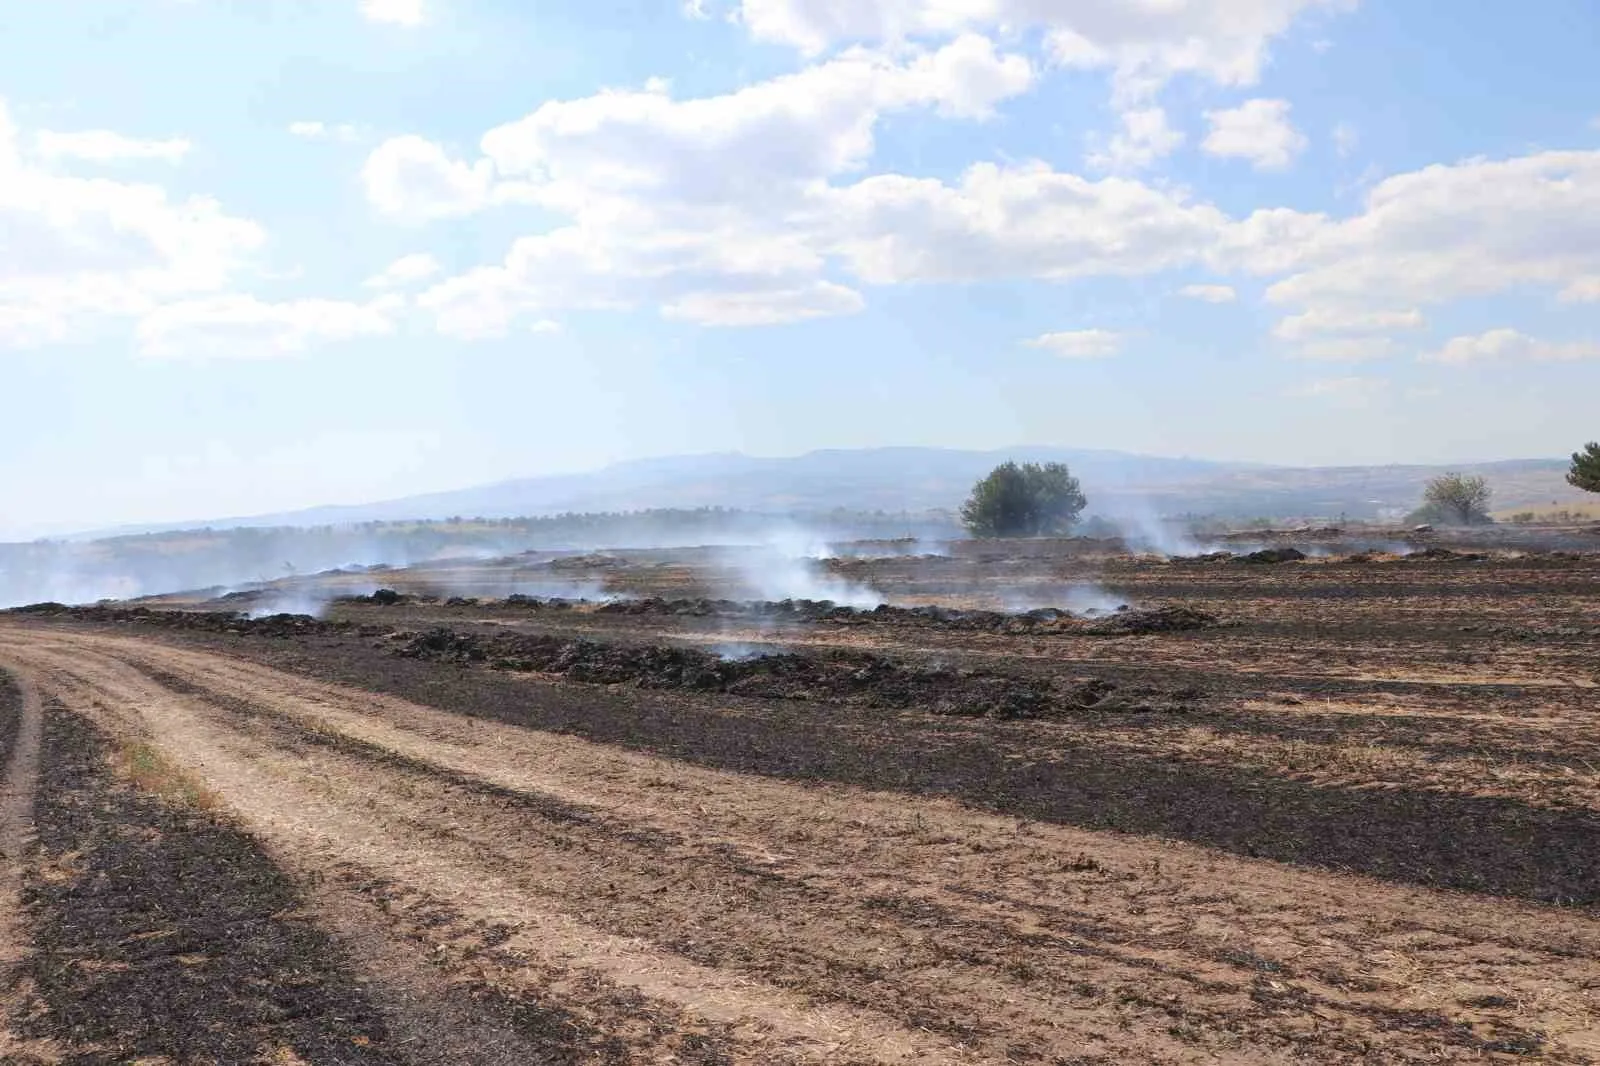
x: 1585, y: 472
x: 1455, y: 500
x: 1024, y: 500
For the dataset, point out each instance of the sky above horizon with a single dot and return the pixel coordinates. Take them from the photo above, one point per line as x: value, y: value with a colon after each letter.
x: 264, y: 254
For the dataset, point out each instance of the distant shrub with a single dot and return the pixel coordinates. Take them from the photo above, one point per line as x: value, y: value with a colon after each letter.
x: 1454, y: 500
x: 1024, y: 500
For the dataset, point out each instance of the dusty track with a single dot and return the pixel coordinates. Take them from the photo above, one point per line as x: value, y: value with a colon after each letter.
x: 21, y: 726
x: 16, y: 812
x: 711, y: 915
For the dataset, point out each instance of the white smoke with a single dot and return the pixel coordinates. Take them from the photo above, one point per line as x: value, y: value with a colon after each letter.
x: 290, y: 601
x: 1078, y: 598
x: 791, y: 566
x: 1144, y: 530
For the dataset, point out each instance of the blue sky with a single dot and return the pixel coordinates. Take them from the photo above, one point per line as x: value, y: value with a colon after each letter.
x: 256, y: 255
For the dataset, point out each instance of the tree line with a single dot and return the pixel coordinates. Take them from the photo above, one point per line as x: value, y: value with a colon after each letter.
x: 1034, y: 499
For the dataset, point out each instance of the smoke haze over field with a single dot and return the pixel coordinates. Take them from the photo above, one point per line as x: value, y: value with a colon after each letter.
x: 157, y: 564
x: 917, y: 481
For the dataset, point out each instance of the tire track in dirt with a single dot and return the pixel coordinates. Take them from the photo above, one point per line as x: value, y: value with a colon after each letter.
x: 350, y: 838
x: 16, y: 811
x: 25, y: 714
x: 1330, y: 965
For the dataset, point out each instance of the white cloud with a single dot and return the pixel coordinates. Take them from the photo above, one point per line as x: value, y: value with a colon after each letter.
x: 1144, y: 43
x: 786, y: 132
x: 481, y: 305
x: 1211, y: 294
x: 1145, y: 138
x: 1079, y: 343
x: 766, y: 308
x: 1444, y: 233
x: 545, y: 325
x: 243, y: 327
x: 413, y: 177
x: 1346, y: 349
x: 712, y: 209
x: 1257, y: 130
x: 407, y: 270
x: 1582, y: 290
x: 698, y: 277
x: 83, y: 256
x: 708, y: 208
x: 1345, y: 320
x: 1027, y: 221
x: 1497, y: 344
x: 104, y: 146
x: 323, y: 131
x: 409, y: 13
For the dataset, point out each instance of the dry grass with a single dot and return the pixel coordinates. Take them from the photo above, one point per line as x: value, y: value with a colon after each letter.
x: 148, y: 769
x: 1556, y: 510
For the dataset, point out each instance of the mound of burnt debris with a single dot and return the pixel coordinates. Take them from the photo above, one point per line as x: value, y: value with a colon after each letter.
x: 1260, y: 557
x: 1125, y: 620
x: 380, y: 598
x: 1132, y: 622
x: 836, y: 676
x: 1271, y: 555
x: 801, y: 610
x: 276, y: 625
x: 1443, y: 555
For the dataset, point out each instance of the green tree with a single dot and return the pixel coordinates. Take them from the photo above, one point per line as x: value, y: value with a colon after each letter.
x: 1455, y: 500
x: 1024, y: 500
x: 1585, y: 472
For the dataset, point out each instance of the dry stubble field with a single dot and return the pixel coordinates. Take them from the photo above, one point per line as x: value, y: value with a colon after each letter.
x: 1355, y: 820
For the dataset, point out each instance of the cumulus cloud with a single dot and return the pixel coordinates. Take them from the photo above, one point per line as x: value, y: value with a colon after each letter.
x: 1211, y: 294
x: 751, y: 207
x: 1346, y: 320
x: 712, y: 209
x: 413, y: 177
x: 1143, y: 44
x: 409, y: 13
x: 1448, y: 232
x: 749, y: 192
x: 407, y: 270
x: 82, y: 256
x: 105, y: 146
x: 242, y: 327
x: 1023, y: 221
x: 784, y: 132
x: 1258, y: 131
x: 1079, y: 343
x: 765, y: 308
x: 1145, y: 138
x: 1499, y: 344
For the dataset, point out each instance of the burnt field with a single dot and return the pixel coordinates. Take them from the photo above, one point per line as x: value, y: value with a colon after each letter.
x: 1297, y: 799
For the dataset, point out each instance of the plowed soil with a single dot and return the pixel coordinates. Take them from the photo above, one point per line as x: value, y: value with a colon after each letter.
x: 1355, y: 817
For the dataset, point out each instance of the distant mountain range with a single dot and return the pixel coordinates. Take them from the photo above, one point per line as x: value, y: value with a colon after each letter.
x: 924, y: 479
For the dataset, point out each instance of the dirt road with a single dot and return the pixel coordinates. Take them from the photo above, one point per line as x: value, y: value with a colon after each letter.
x: 502, y: 894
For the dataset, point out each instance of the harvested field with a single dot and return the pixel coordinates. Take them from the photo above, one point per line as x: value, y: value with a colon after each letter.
x: 1303, y: 808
